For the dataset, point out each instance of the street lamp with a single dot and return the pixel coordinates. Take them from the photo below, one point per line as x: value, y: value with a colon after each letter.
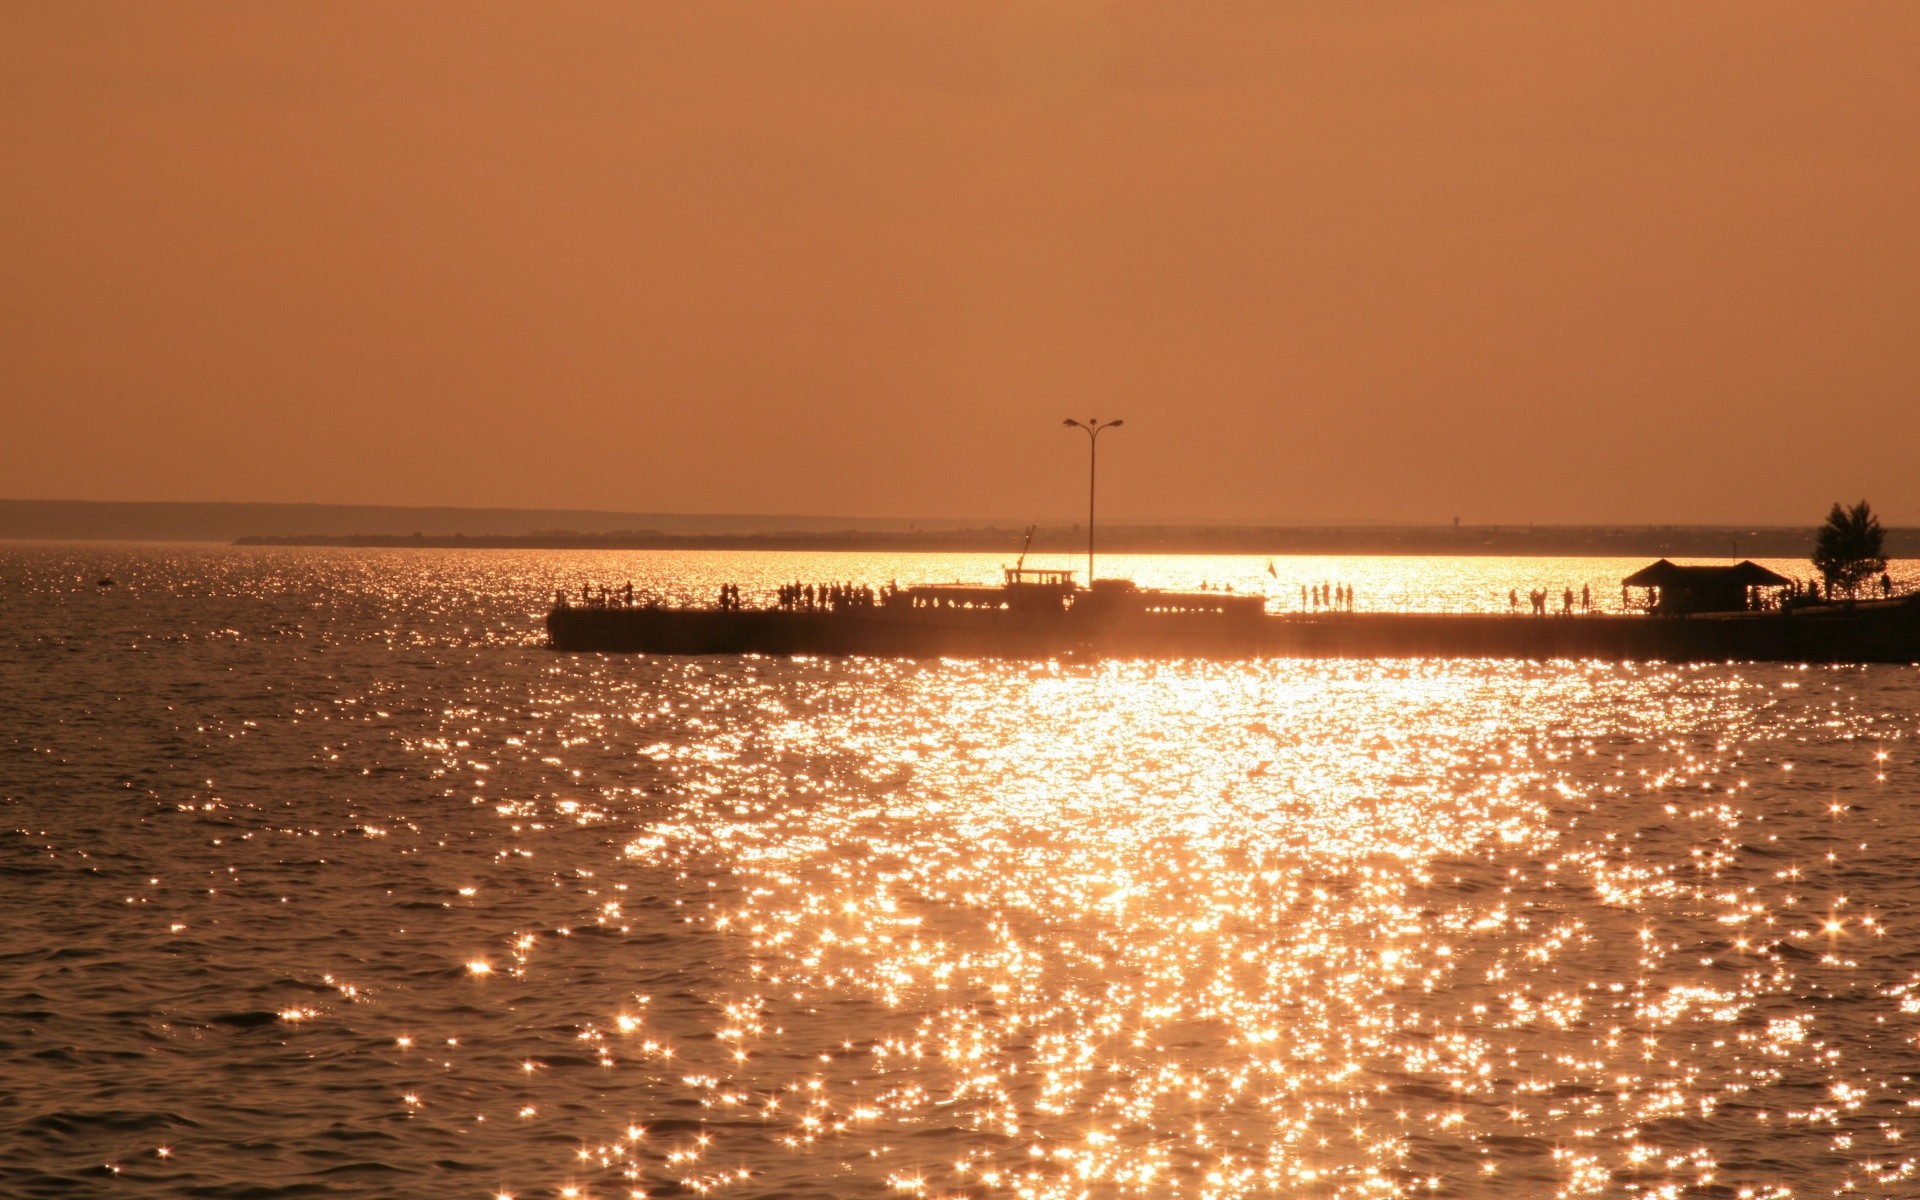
x: 1093, y: 426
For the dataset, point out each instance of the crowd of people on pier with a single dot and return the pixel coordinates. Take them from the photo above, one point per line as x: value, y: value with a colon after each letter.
x: 832, y: 597
x: 1756, y: 599
x: 1319, y: 597
x: 1809, y: 590
x: 1337, y: 597
x: 1541, y: 598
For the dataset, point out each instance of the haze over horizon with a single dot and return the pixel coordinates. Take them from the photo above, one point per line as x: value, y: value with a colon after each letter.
x: 1576, y: 264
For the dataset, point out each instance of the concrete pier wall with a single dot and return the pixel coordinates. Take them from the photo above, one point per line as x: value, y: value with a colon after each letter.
x: 1888, y: 633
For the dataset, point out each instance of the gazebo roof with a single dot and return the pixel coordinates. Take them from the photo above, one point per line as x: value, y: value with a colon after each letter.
x: 1664, y: 574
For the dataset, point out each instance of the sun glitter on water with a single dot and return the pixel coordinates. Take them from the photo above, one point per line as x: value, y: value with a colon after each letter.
x: 945, y: 929
x: 1343, y: 930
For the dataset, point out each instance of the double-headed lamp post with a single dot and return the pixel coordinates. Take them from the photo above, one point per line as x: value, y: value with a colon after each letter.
x: 1093, y: 426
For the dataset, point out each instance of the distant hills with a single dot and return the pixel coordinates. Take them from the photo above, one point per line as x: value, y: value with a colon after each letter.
x: 1556, y: 540
x: 583, y: 529
x: 159, y: 521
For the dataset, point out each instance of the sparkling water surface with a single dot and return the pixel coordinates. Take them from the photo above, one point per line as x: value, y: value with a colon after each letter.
x: 325, y: 878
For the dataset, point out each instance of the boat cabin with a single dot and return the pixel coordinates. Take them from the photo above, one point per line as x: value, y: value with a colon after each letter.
x: 1042, y: 591
x: 1025, y: 589
x: 1035, y: 577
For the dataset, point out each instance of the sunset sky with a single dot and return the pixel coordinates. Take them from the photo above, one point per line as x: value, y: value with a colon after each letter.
x: 1558, y: 262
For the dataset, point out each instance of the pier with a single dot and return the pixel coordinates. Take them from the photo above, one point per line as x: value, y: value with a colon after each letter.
x: 1025, y: 619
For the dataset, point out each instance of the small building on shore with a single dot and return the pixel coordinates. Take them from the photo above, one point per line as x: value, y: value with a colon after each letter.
x: 1677, y: 590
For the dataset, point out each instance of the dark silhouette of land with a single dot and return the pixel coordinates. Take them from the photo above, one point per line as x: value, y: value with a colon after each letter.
x: 1599, y: 541
x: 89, y: 520
x: 562, y: 529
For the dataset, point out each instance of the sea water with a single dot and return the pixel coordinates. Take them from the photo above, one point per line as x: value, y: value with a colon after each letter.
x: 323, y: 877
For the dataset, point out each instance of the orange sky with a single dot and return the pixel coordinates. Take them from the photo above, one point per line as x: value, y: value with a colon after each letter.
x: 1557, y: 262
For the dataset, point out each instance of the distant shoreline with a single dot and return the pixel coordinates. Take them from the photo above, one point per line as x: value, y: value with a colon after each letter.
x: 390, y: 526
x: 1518, y: 541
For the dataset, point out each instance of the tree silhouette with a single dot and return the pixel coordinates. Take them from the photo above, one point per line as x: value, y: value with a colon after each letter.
x: 1850, y: 549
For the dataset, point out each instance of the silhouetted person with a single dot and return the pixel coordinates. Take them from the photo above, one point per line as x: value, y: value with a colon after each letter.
x: 1886, y: 584
x: 1566, y: 602
x: 1513, y: 601
x: 1586, y: 597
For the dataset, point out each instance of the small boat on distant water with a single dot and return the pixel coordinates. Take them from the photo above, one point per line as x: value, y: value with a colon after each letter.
x: 105, y: 581
x: 1035, y: 614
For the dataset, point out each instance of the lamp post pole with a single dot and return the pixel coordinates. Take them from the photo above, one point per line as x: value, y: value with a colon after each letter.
x: 1093, y: 427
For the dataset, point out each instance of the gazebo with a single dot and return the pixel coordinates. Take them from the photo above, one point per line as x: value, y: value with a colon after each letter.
x: 1678, y: 590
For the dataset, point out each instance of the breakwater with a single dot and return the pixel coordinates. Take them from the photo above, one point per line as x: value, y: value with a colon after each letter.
x: 1886, y: 632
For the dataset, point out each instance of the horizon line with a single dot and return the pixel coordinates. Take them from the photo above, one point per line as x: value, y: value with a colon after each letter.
x: 958, y: 522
